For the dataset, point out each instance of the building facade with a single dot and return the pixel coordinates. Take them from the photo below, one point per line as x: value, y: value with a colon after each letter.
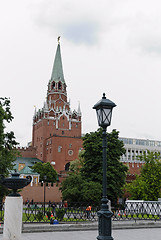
x: 135, y: 147
x: 56, y: 128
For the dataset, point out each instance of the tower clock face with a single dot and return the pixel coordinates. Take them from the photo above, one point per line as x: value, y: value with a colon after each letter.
x: 70, y: 152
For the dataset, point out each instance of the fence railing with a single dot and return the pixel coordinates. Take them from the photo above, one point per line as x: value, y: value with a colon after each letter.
x: 139, y: 210
x: 79, y: 212
x: 38, y: 212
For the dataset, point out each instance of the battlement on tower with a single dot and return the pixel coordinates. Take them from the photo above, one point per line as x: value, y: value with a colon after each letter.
x: 27, y: 152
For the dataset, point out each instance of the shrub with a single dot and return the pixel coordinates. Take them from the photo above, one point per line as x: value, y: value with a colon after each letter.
x: 39, y: 216
x: 60, y: 213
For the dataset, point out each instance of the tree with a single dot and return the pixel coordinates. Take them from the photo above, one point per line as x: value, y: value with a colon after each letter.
x: 76, y: 165
x: 92, y: 168
x: 45, y: 169
x: 147, y: 185
x: 90, y: 176
x: 76, y: 189
x: 8, y: 143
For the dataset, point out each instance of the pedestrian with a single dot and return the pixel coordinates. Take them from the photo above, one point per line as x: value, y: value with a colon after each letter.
x: 65, y: 206
x: 88, y: 211
x: 26, y: 202
x: 60, y: 204
x: 53, y: 209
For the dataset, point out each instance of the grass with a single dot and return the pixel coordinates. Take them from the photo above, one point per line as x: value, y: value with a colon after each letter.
x: 37, y: 216
x: 138, y: 216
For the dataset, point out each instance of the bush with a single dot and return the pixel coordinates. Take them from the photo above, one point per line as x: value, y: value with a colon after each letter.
x: 60, y: 213
x: 39, y: 216
x: 48, y: 214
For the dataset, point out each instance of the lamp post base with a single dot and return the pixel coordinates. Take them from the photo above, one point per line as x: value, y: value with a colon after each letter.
x: 104, y: 224
x: 13, y: 218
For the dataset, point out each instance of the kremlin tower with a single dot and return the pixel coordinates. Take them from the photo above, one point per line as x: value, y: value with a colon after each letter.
x: 56, y: 132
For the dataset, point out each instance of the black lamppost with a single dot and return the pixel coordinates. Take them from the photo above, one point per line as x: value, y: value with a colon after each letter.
x: 45, y: 177
x: 104, y: 113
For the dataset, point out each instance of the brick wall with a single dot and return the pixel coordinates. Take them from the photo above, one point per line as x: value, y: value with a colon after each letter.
x: 29, y: 152
x: 37, y: 193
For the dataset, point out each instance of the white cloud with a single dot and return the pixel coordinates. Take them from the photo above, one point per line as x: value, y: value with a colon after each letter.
x: 78, y: 22
x: 85, y: 31
x: 145, y: 35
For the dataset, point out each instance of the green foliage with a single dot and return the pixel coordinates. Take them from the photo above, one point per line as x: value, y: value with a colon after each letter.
x: 45, y: 169
x: 92, y: 169
x: 48, y: 214
x: 147, y: 185
x: 91, y: 192
x: 77, y: 164
x: 136, y: 188
x: 86, y: 185
x: 39, y: 216
x: 76, y: 189
x: 60, y: 213
x: 74, y: 166
x: 8, y: 143
x: 71, y: 188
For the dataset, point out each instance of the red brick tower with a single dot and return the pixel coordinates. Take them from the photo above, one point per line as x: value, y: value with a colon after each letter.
x: 56, y: 129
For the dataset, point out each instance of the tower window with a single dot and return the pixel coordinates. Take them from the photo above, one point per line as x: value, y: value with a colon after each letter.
x: 59, y: 148
x: 59, y: 85
x: 53, y: 85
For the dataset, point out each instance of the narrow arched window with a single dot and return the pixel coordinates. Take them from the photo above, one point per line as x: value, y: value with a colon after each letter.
x: 53, y: 85
x: 59, y: 85
x: 67, y: 166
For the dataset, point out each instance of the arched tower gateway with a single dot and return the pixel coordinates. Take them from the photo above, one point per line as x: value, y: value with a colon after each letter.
x: 57, y: 129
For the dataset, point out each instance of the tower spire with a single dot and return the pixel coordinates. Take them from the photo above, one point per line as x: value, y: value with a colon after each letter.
x: 57, y: 72
x: 79, y: 109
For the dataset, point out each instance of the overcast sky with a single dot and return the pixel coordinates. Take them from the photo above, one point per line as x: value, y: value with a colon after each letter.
x: 107, y: 46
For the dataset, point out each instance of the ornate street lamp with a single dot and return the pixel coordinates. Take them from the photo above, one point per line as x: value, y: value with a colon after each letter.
x: 45, y: 177
x: 104, y: 113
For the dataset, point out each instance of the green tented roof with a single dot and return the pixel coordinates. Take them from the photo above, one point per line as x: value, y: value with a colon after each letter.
x: 28, y: 170
x: 57, y: 72
x: 29, y: 162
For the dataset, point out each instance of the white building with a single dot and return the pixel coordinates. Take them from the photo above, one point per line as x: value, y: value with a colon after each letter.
x: 135, y: 147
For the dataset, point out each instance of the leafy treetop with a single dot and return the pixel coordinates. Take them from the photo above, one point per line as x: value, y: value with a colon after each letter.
x: 147, y: 185
x: 90, y: 168
x: 45, y: 170
x: 8, y: 143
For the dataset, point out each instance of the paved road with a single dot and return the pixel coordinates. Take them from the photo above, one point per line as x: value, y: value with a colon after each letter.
x: 124, y: 234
